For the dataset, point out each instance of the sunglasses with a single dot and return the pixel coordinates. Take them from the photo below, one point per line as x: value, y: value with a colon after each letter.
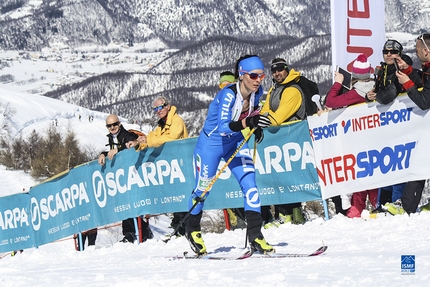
x: 392, y: 52
x: 278, y: 69
x: 112, y: 125
x: 255, y: 76
x: 424, y: 42
x: 159, y: 108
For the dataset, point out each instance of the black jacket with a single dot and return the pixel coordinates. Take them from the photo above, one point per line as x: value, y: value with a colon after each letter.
x: 389, y: 86
x: 422, y: 98
x: 123, y: 137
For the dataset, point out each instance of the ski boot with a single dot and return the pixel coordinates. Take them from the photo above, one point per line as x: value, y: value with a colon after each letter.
x: 298, y: 217
x: 255, y: 237
x: 260, y: 244
x: 194, y: 234
x: 394, y: 208
x: 196, y: 242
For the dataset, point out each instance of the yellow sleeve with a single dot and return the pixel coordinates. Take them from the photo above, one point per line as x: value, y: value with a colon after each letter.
x: 291, y: 101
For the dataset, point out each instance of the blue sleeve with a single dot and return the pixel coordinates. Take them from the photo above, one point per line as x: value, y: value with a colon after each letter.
x: 226, y: 99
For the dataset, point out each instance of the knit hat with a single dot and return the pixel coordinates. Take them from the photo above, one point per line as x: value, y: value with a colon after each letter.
x: 393, y: 45
x: 279, y: 63
x: 361, y: 68
x: 226, y: 77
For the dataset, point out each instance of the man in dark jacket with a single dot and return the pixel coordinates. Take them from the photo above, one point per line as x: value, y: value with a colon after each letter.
x: 118, y: 137
x: 421, y: 97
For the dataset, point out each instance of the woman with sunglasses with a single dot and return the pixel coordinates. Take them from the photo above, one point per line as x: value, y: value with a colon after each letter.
x: 233, y: 109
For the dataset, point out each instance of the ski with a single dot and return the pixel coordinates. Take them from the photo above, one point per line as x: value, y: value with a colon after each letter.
x: 244, y: 255
x: 250, y: 254
x: 12, y: 253
x: 317, y: 252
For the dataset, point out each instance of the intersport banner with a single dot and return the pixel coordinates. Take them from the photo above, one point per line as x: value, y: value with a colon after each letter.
x: 370, y: 146
x: 357, y: 26
x: 153, y: 181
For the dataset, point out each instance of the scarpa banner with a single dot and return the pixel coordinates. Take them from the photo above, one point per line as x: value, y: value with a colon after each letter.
x: 370, y: 146
x: 15, y: 223
x: 154, y: 181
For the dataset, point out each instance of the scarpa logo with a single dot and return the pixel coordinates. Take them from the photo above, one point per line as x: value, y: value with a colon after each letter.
x: 124, y: 179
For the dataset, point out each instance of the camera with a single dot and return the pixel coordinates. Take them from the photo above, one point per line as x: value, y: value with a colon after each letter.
x: 379, y: 71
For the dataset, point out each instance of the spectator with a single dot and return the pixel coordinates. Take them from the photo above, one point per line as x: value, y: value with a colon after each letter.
x: 362, y: 86
x: 90, y: 234
x: 233, y: 109
x: 413, y: 189
x: 118, y: 137
x: 170, y: 127
x: 388, y: 88
x: 362, y: 91
x: 226, y: 78
x: 285, y: 104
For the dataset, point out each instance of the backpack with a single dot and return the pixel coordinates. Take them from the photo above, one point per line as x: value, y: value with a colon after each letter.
x: 307, y: 88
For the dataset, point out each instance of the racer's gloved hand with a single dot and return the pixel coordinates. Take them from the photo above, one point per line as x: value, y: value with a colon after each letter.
x: 258, y: 121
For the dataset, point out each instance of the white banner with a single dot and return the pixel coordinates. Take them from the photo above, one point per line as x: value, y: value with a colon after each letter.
x: 357, y: 26
x: 370, y: 146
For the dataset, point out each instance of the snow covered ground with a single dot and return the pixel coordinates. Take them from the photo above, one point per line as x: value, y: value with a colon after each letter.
x: 359, y: 252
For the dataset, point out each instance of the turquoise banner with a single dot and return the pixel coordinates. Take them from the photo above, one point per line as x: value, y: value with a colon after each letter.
x: 153, y: 181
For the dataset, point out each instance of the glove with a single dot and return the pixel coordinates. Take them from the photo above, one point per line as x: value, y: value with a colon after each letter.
x: 259, y: 135
x: 258, y: 121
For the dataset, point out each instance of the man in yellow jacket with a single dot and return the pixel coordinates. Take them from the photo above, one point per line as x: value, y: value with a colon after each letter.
x: 285, y: 104
x: 170, y: 127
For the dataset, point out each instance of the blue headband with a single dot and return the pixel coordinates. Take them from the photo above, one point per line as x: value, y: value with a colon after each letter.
x: 249, y: 64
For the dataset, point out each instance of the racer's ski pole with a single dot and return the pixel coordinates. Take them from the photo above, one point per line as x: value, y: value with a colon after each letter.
x: 211, y: 183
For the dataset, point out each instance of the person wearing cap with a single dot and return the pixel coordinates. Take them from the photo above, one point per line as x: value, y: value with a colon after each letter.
x: 388, y: 84
x: 412, y: 193
x: 362, y: 85
x: 281, y: 104
x: 226, y: 78
x: 339, y: 97
x: 284, y: 104
x: 170, y: 127
x: 233, y: 109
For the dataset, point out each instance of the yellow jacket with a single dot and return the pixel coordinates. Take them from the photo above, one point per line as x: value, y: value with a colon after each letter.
x: 174, y: 129
x: 291, y: 100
